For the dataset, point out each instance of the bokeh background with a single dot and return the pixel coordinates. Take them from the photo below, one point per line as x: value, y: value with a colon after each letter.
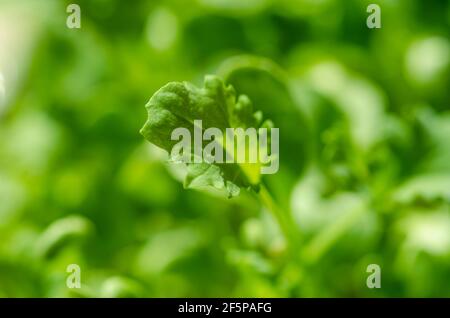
x: 364, y: 118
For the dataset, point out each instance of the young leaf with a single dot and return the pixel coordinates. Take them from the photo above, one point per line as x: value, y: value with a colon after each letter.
x: 178, y: 105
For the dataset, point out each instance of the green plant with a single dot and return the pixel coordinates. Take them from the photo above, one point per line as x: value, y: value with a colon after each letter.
x: 178, y: 105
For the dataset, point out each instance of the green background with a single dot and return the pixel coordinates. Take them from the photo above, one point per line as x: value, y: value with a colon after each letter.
x: 364, y: 136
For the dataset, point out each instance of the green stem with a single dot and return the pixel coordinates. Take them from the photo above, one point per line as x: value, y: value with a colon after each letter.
x: 323, y: 241
x: 284, y: 220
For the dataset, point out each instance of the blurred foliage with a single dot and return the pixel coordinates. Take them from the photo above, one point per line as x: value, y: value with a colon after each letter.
x: 364, y: 118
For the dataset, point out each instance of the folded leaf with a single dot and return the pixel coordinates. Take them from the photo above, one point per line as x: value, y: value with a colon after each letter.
x: 180, y: 105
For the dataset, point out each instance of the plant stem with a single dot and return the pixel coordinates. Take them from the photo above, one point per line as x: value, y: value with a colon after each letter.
x: 284, y: 220
x: 321, y: 243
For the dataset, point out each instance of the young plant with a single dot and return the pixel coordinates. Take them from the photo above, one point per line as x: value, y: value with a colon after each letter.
x: 179, y: 105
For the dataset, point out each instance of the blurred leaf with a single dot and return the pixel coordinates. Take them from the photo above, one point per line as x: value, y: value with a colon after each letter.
x: 62, y: 232
x: 163, y: 249
x: 121, y: 287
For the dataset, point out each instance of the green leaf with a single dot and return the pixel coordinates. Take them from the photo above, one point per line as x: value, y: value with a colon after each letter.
x: 427, y: 187
x: 178, y: 105
x: 431, y: 178
x: 121, y: 287
x: 61, y: 233
x: 268, y: 86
